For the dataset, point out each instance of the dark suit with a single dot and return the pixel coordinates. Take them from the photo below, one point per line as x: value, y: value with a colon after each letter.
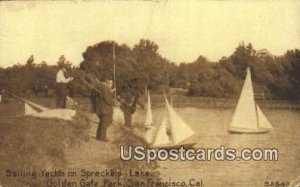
x: 102, y: 105
x: 61, y: 92
x: 128, y: 106
x: 128, y: 110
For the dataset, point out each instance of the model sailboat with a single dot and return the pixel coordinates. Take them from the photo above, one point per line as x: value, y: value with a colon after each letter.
x: 149, y: 117
x: 248, y: 117
x: 36, y: 110
x: 173, y: 131
x: 149, y: 124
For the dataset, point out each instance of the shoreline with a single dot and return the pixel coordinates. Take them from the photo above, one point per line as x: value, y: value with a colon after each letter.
x: 180, y: 101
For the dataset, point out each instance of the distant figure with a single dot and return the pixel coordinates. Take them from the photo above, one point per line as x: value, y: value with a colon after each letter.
x: 37, y: 89
x: 128, y: 110
x: 61, y: 87
x: 46, y: 90
x: 109, y: 83
x: 128, y: 106
x: 104, y: 109
x: 0, y: 95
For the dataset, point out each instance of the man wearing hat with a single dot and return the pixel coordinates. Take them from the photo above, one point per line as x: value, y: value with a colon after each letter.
x: 102, y: 104
x: 61, y: 87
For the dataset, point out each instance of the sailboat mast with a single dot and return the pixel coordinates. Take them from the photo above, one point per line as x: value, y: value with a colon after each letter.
x: 114, y: 72
x: 146, y: 93
x: 256, y: 112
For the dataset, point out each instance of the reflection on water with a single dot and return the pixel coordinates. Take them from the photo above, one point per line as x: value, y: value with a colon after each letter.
x: 210, y: 126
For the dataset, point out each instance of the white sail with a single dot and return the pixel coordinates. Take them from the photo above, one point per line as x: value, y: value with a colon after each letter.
x: 40, y: 107
x: 118, y: 115
x: 29, y: 110
x: 262, y: 120
x: 66, y: 114
x: 245, y: 113
x: 149, y: 117
x: 248, y: 117
x: 180, y: 131
x: 60, y: 113
x: 36, y: 110
x: 161, y: 137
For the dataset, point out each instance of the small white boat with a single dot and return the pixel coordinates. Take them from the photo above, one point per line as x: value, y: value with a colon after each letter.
x: 149, y: 116
x: 35, y: 110
x: 173, y: 132
x: 248, y: 117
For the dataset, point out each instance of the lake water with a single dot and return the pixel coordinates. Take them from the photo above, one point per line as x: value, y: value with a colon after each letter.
x: 210, y: 126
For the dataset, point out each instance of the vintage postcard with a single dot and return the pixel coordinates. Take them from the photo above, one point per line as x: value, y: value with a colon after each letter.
x: 150, y: 93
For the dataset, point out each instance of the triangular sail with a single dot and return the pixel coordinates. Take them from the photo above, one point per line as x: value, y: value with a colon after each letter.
x: 32, y: 108
x: 65, y: 114
x: 245, y: 113
x: 40, y: 107
x: 263, y: 121
x: 162, y: 137
x: 118, y: 115
x: 149, y: 117
x: 29, y: 110
x: 180, y: 131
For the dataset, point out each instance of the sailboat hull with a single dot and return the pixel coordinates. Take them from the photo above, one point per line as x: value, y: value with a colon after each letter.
x: 248, y: 117
x: 244, y: 130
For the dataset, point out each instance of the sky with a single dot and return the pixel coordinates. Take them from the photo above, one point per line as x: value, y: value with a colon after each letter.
x: 184, y: 30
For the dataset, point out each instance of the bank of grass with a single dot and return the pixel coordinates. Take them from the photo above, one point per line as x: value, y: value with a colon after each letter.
x: 32, y: 144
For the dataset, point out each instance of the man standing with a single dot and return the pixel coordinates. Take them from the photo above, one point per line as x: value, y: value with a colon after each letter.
x: 102, y: 103
x: 128, y: 106
x: 128, y: 110
x: 61, y: 87
x: 103, y: 107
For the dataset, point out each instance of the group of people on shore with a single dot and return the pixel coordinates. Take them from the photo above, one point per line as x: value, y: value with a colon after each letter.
x: 101, y: 97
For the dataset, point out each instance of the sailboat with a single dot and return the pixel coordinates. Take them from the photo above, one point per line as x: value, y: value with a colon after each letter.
x: 36, y: 110
x: 149, y: 116
x: 173, y: 132
x: 248, y: 117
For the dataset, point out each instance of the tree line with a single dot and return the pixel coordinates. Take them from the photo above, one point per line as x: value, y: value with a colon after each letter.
x: 141, y: 67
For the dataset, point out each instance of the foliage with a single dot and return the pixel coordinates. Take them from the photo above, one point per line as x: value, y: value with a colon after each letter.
x: 140, y: 67
x: 136, y: 68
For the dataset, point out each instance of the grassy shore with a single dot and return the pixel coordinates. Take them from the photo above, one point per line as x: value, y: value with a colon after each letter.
x: 34, y: 144
x: 211, y: 102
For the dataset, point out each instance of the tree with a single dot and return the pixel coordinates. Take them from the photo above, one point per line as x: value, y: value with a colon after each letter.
x: 30, y: 61
x: 152, y: 69
x: 62, y: 62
